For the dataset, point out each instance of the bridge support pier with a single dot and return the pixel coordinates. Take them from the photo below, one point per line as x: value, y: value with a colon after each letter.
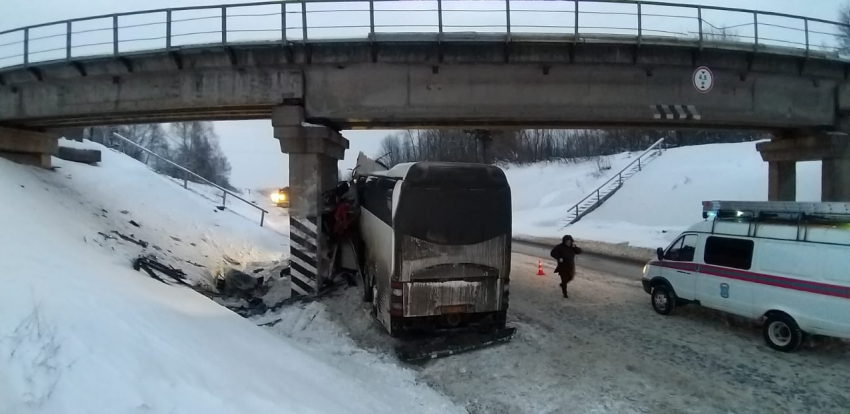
x: 835, y: 179
x: 782, y: 181
x: 313, y: 155
x: 783, y: 153
x: 28, y: 147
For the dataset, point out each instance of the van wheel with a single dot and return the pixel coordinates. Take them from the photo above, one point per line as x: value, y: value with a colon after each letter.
x: 663, y: 300
x: 781, y: 332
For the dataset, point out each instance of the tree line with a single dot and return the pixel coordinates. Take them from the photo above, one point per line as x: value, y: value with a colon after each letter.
x: 193, y: 145
x: 535, y: 145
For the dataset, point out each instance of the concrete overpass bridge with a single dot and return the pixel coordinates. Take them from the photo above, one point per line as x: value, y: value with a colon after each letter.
x: 346, y: 64
x: 527, y: 63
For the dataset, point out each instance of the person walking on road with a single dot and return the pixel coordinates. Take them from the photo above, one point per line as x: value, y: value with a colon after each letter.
x: 565, y: 253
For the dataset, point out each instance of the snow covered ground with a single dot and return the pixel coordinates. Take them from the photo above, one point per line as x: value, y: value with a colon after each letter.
x: 602, y: 351
x: 82, y: 332
x: 654, y: 205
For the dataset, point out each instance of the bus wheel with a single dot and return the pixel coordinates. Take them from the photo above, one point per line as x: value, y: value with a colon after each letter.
x: 663, y: 300
x: 781, y: 332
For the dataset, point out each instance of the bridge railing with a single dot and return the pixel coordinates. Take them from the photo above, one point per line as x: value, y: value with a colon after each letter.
x: 198, y: 178
x: 618, y: 178
x: 322, y: 20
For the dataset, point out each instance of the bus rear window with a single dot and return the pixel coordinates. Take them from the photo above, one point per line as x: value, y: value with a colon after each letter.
x: 729, y: 252
x: 453, y: 216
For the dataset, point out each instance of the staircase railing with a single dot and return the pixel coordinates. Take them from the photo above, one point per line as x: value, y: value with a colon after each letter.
x: 618, y: 176
x: 224, y: 192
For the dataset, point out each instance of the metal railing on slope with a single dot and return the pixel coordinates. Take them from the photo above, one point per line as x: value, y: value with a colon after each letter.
x: 224, y: 191
x: 600, y: 198
x: 302, y: 21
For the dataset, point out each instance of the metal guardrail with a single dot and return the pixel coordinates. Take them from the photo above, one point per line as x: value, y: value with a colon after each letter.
x: 224, y: 193
x: 304, y: 21
x: 618, y: 176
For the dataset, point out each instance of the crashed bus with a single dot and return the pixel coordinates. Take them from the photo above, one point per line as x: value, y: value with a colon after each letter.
x: 436, y: 247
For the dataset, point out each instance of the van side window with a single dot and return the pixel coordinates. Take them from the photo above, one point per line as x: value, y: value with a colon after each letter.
x: 728, y: 252
x: 683, y: 249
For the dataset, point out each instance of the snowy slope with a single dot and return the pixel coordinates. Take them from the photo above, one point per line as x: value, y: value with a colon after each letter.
x: 657, y: 203
x: 181, y: 227
x: 81, y: 332
x: 541, y: 193
x: 276, y: 219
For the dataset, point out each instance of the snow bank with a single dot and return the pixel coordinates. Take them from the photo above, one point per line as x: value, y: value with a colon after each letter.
x: 542, y: 192
x: 276, y: 219
x: 311, y: 327
x: 654, y: 205
x: 81, y: 332
x: 183, y: 229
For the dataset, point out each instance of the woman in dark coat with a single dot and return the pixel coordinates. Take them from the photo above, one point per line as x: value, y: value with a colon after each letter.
x: 565, y: 253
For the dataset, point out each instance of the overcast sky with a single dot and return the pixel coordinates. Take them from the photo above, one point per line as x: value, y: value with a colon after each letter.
x: 254, y: 154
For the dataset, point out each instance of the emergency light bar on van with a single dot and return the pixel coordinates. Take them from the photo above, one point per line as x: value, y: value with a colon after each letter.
x: 837, y: 212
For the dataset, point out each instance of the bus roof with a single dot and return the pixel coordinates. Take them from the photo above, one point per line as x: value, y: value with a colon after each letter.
x: 399, y: 171
x: 447, y: 174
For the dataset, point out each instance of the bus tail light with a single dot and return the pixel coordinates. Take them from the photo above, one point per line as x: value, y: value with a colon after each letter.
x: 397, y: 299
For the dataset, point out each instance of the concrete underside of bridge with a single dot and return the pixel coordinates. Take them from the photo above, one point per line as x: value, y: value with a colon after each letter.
x: 413, y: 84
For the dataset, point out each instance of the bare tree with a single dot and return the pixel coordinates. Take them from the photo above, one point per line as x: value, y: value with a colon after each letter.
x: 195, y: 147
x: 199, y: 151
x: 721, y: 34
x: 844, y: 38
x: 535, y: 145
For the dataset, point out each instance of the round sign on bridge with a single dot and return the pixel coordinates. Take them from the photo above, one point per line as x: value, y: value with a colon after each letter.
x: 703, y: 79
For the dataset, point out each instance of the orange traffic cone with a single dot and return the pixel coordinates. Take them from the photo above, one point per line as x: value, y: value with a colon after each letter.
x: 540, y: 268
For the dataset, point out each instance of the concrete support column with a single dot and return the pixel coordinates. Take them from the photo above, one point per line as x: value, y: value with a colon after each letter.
x: 28, y: 147
x: 787, y: 149
x: 313, y: 155
x: 835, y: 179
x: 782, y: 181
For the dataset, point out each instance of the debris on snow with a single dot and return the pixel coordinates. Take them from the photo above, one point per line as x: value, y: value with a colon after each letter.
x: 152, y: 267
x: 131, y: 238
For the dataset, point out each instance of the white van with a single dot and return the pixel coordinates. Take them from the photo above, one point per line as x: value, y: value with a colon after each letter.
x: 785, y: 263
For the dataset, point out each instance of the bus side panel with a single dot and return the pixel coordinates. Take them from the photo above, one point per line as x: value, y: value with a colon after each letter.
x: 378, y: 238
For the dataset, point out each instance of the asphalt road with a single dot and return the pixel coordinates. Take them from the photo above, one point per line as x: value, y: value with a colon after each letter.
x: 604, y: 350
